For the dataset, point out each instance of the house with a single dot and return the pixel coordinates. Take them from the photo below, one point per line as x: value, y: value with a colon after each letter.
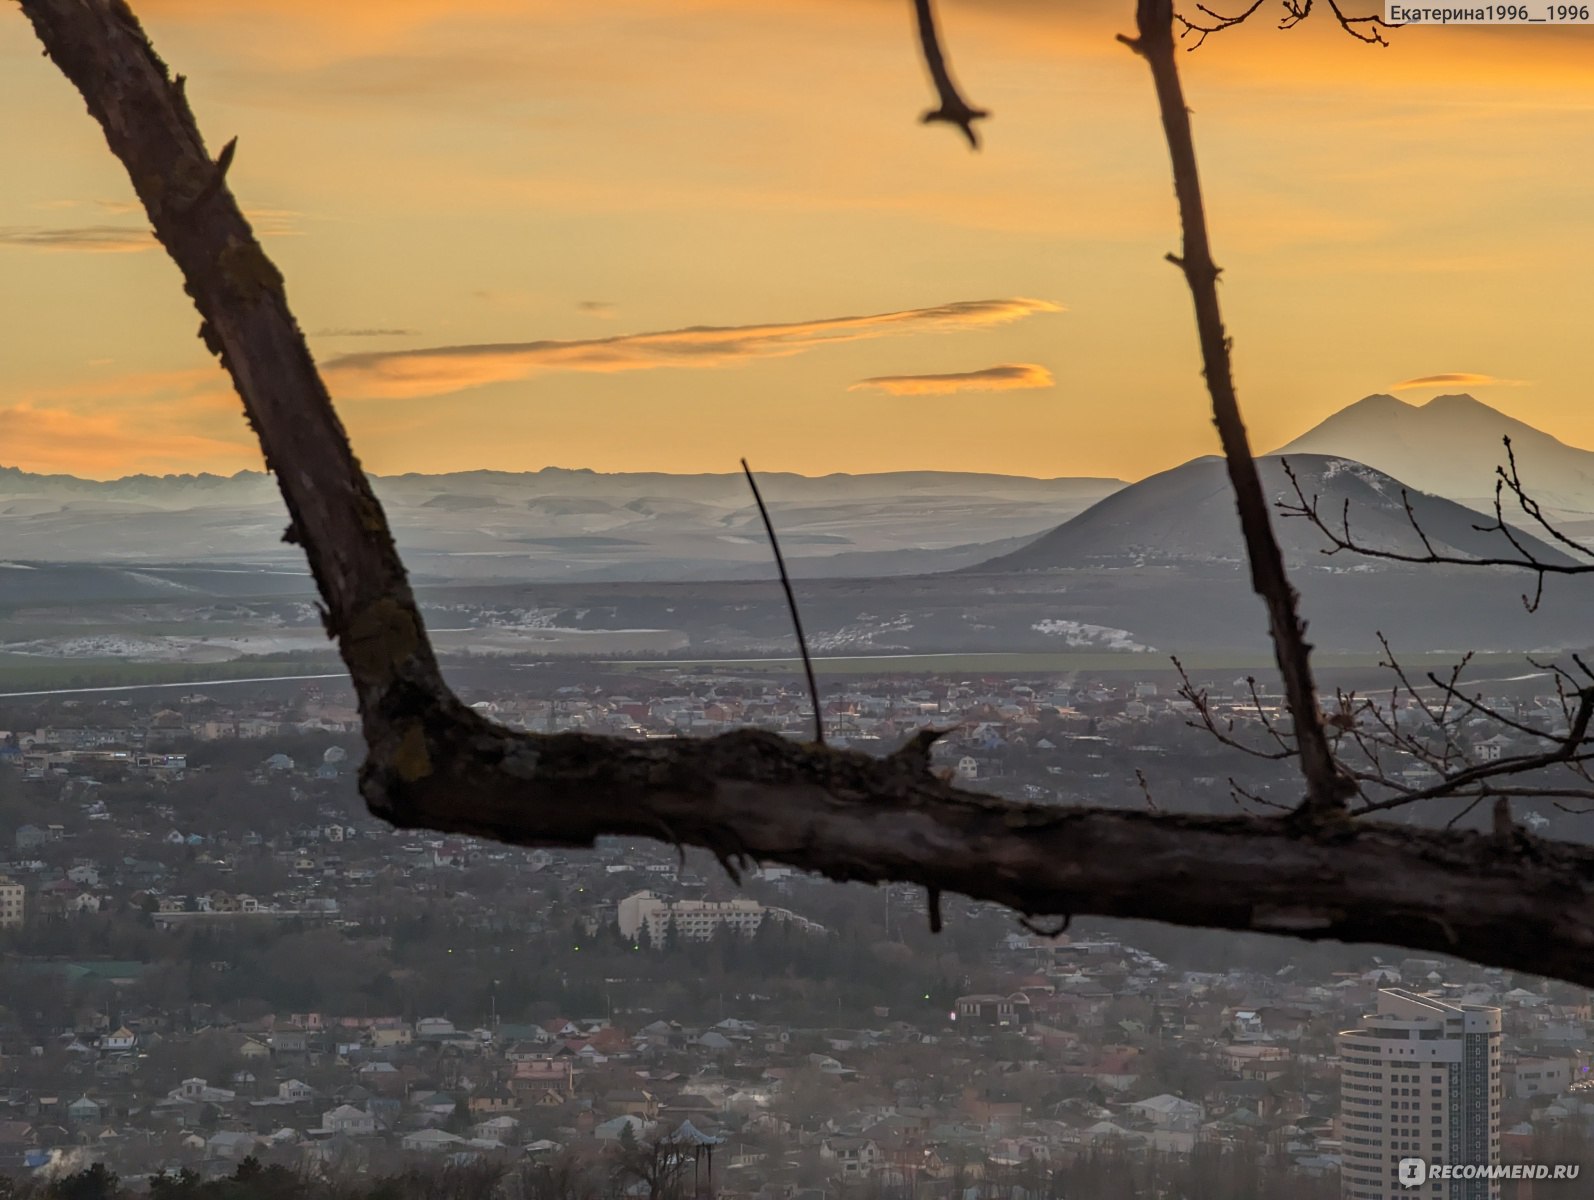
x: 253, y: 1050
x: 854, y: 1157
x: 439, y: 1104
x: 638, y: 1103
x: 430, y: 1141
x: 612, y: 1129
x: 31, y: 837
x: 496, y: 1129
x: 1174, y: 1122
x: 1002, y: 1012
x: 348, y: 1120
x: 295, y: 1091
x: 120, y: 1042
x: 543, y: 1073
x: 494, y: 1098
x: 386, y: 1037
x: 197, y: 1091
x: 231, y: 1145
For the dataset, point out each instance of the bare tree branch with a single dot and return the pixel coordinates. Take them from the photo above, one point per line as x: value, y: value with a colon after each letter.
x: 1364, y: 29
x: 952, y: 109
x: 791, y: 605
x: 1343, y: 539
x: 1326, y: 787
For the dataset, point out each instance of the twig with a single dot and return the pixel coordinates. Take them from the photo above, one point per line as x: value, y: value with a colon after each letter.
x: 1145, y: 790
x: 791, y: 603
x: 954, y: 110
x: 1364, y: 29
x: 1327, y: 788
x: 1528, y: 558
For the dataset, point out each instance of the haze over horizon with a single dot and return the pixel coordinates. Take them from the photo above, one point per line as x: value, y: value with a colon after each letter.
x: 1375, y: 406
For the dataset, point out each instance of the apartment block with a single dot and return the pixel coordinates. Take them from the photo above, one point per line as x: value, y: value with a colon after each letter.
x: 1420, y: 1078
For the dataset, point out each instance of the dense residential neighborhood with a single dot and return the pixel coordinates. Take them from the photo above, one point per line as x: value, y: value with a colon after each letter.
x: 213, y: 955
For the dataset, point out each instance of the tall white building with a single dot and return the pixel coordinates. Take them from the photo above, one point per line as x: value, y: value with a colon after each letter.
x: 1419, y: 1078
x: 11, y: 903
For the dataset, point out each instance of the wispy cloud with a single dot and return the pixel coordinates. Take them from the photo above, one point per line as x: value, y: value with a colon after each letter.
x: 597, y: 308
x: 362, y: 333
x: 96, y: 239
x: 443, y: 369
x: 1457, y: 379
x: 101, y: 444
x: 1007, y: 377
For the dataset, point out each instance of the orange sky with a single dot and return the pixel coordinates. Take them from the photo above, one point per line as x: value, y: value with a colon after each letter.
x: 664, y: 235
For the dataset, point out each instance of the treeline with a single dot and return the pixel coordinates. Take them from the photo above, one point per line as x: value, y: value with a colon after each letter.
x: 1101, y: 1173
x: 254, y: 1180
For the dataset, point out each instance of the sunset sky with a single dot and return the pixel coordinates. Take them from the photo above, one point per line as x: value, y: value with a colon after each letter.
x: 663, y: 235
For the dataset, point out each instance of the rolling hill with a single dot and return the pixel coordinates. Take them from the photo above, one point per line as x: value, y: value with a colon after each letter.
x: 1186, y: 516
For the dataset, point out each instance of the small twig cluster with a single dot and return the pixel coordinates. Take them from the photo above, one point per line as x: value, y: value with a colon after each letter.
x: 1508, y: 479
x: 1367, y: 29
x: 1429, y: 725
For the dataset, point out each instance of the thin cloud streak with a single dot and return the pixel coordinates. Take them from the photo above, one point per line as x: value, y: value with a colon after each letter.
x: 440, y: 370
x: 94, y: 239
x: 1457, y: 379
x: 363, y: 333
x: 1007, y: 377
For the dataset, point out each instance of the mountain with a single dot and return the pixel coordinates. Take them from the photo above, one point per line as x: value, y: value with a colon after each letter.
x: 1451, y: 446
x: 1155, y: 565
x: 554, y: 524
x: 1186, y: 516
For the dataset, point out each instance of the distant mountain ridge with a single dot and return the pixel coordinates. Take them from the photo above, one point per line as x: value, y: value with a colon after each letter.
x: 14, y: 481
x: 556, y: 523
x: 1450, y: 447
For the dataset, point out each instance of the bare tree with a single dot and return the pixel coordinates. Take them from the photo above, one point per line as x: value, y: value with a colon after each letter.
x: 658, y: 1163
x: 1313, y: 871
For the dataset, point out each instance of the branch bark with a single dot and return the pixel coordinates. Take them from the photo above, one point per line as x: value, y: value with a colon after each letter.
x: 1326, y: 788
x: 951, y: 107
x: 434, y: 763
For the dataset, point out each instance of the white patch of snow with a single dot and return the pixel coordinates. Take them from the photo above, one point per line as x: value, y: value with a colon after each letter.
x: 1344, y: 466
x: 1078, y: 633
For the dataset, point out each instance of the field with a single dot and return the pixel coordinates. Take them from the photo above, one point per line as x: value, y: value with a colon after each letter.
x: 1063, y: 662
x: 26, y: 672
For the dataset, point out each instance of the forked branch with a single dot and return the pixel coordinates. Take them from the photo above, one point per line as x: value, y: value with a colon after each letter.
x: 1326, y: 786
x: 1526, y: 553
x: 1208, y: 21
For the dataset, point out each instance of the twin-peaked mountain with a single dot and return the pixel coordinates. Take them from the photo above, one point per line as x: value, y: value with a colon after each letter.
x: 1451, y: 446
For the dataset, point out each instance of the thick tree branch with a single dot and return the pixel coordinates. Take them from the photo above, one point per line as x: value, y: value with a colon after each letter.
x: 1326, y: 787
